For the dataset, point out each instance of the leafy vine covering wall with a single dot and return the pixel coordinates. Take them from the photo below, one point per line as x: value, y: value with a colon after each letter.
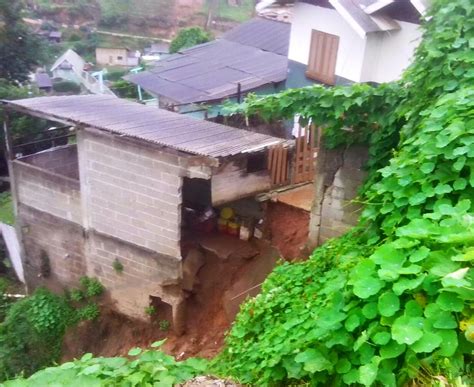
x: 392, y: 300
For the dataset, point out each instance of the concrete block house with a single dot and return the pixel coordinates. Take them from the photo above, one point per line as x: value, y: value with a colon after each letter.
x: 119, y: 194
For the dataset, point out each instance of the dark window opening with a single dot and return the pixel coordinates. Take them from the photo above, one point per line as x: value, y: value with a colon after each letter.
x: 257, y: 163
x: 119, y: 57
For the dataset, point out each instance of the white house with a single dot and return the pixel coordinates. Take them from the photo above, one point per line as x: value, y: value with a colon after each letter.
x: 336, y: 41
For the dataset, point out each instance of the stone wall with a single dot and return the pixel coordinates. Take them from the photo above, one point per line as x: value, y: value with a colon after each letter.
x: 339, y: 175
x: 48, y: 238
x: 61, y: 160
x: 131, y: 191
x: 47, y: 191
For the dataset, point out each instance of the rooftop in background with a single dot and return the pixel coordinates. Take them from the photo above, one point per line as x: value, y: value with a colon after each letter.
x: 68, y: 60
x: 160, y: 48
x: 254, y: 54
x: 158, y: 126
x: 43, y: 80
x: 55, y: 34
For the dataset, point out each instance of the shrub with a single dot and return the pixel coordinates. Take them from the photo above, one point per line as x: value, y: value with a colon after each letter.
x: 31, y: 335
x: 66, y: 87
x: 146, y: 368
x: 390, y: 303
x: 89, y: 312
x: 189, y: 37
x: 92, y: 286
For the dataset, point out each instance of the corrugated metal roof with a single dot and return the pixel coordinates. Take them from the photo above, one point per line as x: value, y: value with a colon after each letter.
x: 147, y: 123
x: 268, y: 35
x: 43, y: 80
x: 254, y: 54
x: 72, y: 58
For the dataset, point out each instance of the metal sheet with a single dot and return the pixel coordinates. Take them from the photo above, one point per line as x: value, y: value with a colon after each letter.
x: 147, y: 123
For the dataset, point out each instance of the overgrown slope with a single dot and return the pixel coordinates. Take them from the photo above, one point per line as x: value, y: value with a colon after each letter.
x: 392, y: 300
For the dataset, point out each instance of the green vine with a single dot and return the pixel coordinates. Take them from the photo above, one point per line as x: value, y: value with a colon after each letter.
x: 391, y: 301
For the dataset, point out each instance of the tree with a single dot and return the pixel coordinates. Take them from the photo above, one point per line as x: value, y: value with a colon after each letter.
x: 189, y: 37
x: 19, y: 49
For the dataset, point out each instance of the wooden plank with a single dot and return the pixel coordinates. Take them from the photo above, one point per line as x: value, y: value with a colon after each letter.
x: 274, y: 165
x: 285, y: 166
x: 305, y: 152
x: 278, y: 165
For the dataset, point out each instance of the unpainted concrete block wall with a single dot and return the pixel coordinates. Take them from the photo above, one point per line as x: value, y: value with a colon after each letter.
x: 61, y: 160
x: 343, y: 173
x: 48, y: 192
x: 61, y: 241
x: 131, y: 192
x: 144, y: 273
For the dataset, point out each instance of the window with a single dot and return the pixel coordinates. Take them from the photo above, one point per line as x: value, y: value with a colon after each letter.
x: 119, y: 57
x: 322, y: 57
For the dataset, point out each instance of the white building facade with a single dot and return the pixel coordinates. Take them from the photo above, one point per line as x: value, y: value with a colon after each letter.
x: 351, y: 44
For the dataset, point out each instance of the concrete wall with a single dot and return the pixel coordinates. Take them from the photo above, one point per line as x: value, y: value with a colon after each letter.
x: 231, y: 181
x: 61, y: 160
x: 114, y: 57
x: 61, y: 241
x: 48, y: 192
x: 380, y: 57
x: 388, y: 54
x: 131, y: 191
x: 144, y: 273
x: 339, y: 174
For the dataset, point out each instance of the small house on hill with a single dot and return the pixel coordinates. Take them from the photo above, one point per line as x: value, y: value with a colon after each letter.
x: 119, y: 56
x: 55, y: 36
x: 69, y: 66
x: 343, y: 41
x: 43, y: 81
x: 251, y: 57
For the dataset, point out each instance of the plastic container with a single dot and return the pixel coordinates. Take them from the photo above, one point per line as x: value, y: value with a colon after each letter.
x: 222, y: 225
x: 233, y: 229
x: 227, y: 213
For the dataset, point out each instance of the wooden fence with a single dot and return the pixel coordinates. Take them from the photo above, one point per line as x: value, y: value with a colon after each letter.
x: 298, y: 166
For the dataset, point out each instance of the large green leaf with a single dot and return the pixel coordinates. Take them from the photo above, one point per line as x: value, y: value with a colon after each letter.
x: 313, y: 360
x: 388, y: 304
x: 392, y: 350
x: 407, y: 330
x: 368, y: 286
x: 368, y: 373
x: 449, y: 342
x: 428, y: 342
x: 450, y: 302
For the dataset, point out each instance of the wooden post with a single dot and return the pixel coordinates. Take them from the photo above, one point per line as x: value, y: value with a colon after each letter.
x: 8, y: 140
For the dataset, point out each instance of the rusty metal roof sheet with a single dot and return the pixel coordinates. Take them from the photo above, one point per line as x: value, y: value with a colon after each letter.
x: 147, y: 123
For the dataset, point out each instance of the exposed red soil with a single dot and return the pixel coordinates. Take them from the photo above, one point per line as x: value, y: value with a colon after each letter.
x: 288, y: 228
x: 210, y: 310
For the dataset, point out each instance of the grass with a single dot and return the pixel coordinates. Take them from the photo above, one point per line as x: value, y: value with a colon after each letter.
x: 6, y: 208
x: 238, y: 14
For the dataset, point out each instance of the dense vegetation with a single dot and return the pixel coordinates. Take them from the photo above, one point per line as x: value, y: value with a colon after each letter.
x: 143, y: 368
x: 392, y: 300
x: 32, y: 329
x: 189, y: 37
x: 19, y: 50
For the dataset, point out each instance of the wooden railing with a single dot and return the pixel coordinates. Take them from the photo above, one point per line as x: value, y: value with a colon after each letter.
x: 295, y: 166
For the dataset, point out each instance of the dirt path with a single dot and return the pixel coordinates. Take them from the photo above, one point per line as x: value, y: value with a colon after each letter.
x: 131, y: 36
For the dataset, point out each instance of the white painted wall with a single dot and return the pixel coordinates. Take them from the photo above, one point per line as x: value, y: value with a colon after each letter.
x: 389, y: 53
x: 380, y: 57
x: 307, y: 17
